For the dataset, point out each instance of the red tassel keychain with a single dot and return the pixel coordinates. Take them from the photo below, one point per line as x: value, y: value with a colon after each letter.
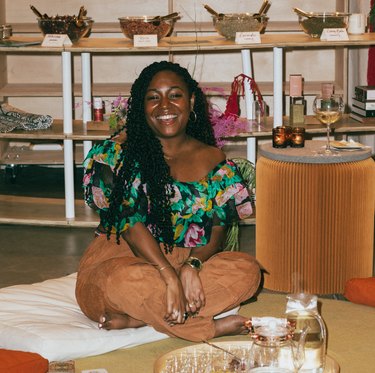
x: 232, y: 108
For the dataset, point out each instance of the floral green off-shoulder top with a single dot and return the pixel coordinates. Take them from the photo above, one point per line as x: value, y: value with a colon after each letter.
x: 220, y: 198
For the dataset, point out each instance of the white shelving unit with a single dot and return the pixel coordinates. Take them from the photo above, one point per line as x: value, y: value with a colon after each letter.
x: 79, y: 67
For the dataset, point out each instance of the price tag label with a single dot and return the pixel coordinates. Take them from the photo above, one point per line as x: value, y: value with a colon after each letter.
x: 252, y: 37
x: 330, y: 34
x: 56, y: 40
x: 145, y: 40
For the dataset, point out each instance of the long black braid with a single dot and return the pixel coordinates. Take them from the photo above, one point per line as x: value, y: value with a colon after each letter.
x: 142, y: 153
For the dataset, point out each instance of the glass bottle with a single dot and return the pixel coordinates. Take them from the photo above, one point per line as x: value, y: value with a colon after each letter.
x: 303, y: 315
x: 297, y: 102
x: 98, y: 109
x: 260, y: 112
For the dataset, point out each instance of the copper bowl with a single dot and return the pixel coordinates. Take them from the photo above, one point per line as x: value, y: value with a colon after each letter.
x: 146, y: 25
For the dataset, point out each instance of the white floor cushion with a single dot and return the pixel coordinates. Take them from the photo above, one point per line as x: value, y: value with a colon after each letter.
x: 45, y: 318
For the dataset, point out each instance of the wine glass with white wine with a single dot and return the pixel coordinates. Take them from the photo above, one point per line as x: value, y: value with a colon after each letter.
x: 328, y: 109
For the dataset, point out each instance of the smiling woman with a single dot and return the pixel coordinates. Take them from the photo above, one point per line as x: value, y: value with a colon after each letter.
x: 165, y: 195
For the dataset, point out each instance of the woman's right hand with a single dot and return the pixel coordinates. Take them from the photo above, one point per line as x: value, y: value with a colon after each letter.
x: 176, y: 302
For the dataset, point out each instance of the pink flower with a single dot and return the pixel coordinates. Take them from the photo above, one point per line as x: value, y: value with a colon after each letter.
x: 224, y: 127
x: 223, y: 197
x: 200, y: 204
x: 193, y: 235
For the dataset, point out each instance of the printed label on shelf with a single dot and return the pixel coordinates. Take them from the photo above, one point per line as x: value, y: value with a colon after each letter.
x: 56, y: 40
x: 18, y: 144
x: 46, y: 146
x: 329, y: 34
x: 145, y: 40
x: 248, y: 37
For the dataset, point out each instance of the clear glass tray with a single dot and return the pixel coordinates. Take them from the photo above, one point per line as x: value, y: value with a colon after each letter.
x: 197, y: 354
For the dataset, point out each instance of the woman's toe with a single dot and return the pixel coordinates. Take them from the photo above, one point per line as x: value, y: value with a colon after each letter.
x: 104, y: 322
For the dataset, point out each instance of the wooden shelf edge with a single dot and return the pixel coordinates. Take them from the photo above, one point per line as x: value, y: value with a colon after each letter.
x: 63, y: 222
x: 44, y: 212
x: 180, y: 26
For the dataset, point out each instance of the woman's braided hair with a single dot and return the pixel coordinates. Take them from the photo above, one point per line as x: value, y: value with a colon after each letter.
x: 142, y: 153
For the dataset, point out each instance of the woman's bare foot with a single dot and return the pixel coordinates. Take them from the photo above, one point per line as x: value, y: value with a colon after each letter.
x: 231, y: 325
x: 110, y: 321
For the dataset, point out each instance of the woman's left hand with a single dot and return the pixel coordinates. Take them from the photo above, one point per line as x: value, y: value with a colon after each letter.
x: 193, y: 289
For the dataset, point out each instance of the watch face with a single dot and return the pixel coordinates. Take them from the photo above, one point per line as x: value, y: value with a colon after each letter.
x: 196, y: 263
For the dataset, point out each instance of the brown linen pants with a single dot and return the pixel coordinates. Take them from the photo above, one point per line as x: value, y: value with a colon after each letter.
x: 111, y: 279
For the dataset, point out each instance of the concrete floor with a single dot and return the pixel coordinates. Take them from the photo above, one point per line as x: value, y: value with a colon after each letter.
x: 32, y: 254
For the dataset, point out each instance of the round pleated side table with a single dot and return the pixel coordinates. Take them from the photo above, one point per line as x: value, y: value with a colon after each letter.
x: 315, y: 217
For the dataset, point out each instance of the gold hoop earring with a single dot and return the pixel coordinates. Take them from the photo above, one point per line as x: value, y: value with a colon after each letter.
x: 193, y: 116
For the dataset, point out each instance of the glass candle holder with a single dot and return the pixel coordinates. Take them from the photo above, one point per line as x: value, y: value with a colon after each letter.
x: 297, y: 139
x: 279, y: 137
x: 288, y: 134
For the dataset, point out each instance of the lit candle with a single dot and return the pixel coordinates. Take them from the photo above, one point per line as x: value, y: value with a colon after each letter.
x: 298, y: 137
x: 279, y: 137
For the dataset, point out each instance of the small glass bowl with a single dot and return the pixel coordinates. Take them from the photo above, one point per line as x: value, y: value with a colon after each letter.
x: 66, y: 25
x: 5, y: 32
x: 231, y: 23
x: 146, y: 25
x: 315, y: 23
